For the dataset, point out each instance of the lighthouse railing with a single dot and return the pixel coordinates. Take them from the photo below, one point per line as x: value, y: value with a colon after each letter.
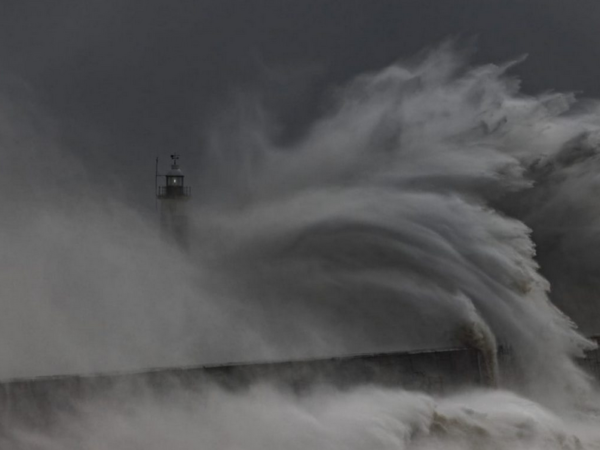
x: 174, y: 191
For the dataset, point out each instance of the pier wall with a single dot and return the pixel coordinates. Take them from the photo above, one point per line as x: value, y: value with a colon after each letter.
x: 38, y: 401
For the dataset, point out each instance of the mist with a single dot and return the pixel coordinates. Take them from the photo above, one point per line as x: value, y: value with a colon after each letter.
x: 399, y: 221
x: 364, y: 418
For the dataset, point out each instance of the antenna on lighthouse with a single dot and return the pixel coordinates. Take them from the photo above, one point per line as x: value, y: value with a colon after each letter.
x: 156, y: 185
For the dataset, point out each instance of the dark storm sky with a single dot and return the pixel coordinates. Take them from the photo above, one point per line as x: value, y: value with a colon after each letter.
x: 127, y: 80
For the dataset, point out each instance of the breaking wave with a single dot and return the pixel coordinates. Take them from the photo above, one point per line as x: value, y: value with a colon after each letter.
x: 395, y: 223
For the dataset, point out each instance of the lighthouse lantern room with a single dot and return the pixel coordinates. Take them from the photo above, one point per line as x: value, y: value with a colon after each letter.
x: 174, y: 187
x: 173, y: 197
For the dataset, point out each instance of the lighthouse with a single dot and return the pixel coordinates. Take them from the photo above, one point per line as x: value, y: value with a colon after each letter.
x: 172, y: 199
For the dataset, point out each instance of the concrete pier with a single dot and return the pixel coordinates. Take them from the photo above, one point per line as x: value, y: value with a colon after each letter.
x: 38, y: 401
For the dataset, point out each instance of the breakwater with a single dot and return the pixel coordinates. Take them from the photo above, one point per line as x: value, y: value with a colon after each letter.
x: 37, y: 401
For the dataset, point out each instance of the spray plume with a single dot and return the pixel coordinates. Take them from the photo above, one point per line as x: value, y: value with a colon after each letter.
x: 382, y: 229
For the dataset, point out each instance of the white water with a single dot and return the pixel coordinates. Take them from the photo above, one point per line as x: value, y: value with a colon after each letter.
x: 375, y: 232
x: 366, y: 418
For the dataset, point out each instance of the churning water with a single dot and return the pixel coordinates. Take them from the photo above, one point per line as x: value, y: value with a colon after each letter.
x: 394, y: 223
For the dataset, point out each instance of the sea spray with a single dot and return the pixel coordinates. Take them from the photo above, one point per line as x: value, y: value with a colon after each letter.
x: 374, y: 226
x: 380, y: 229
x: 476, y: 334
x: 266, y: 418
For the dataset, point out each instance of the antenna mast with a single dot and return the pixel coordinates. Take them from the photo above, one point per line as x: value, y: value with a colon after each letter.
x: 156, y: 185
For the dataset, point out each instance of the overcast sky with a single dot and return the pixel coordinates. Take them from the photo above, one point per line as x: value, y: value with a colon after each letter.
x: 128, y: 80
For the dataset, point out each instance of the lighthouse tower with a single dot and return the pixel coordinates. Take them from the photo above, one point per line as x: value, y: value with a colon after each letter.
x: 173, y: 197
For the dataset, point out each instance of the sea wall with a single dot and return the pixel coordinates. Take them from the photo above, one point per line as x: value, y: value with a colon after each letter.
x: 38, y: 401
